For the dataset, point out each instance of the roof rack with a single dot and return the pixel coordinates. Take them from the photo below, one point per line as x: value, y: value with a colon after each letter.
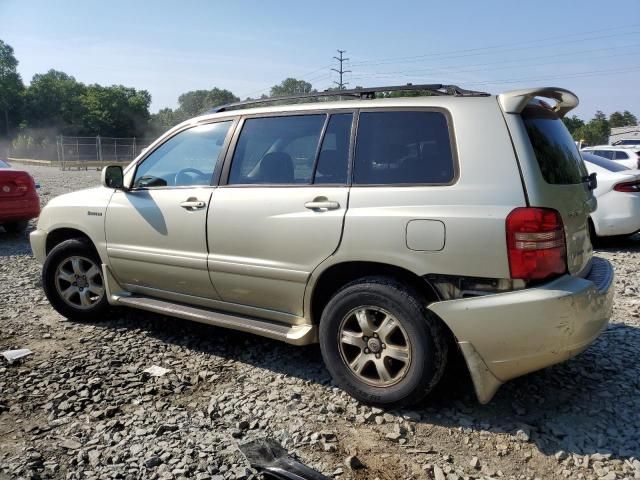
x: 362, y: 93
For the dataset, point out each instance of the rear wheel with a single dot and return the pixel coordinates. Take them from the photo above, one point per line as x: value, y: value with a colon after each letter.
x: 73, y: 282
x: 381, y: 344
x: 16, y: 227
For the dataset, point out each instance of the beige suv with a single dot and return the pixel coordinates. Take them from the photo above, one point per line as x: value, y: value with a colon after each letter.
x: 392, y: 231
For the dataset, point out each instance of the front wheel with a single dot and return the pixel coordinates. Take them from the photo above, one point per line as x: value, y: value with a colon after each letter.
x: 73, y: 282
x: 380, y: 343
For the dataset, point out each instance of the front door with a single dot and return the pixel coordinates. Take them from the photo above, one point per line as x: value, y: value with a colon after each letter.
x: 156, y: 231
x: 280, y: 212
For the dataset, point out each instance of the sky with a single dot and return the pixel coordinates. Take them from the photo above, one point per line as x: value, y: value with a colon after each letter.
x: 166, y: 47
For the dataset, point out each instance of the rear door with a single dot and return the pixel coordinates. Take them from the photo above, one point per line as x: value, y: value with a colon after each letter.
x: 279, y: 210
x: 555, y: 176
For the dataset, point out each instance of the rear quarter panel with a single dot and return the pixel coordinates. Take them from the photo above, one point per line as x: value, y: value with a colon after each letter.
x: 473, y: 209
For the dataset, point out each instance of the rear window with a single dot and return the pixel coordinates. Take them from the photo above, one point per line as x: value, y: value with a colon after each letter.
x: 556, y: 152
x: 403, y: 147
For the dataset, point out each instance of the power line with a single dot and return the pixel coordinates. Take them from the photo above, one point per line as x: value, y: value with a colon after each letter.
x: 341, y: 84
x: 502, y: 47
x: 510, y: 63
x: 589, y: 73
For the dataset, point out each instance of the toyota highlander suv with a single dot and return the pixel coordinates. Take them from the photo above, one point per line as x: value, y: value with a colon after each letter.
x: 393, y: 231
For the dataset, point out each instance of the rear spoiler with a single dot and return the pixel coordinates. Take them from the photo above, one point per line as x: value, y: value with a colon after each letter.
x: 515, y: 100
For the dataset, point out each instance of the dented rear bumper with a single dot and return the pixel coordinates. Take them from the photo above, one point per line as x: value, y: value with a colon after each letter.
x: 506, y: 335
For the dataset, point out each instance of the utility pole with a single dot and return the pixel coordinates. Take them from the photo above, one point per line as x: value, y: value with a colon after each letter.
x: 340, y: 71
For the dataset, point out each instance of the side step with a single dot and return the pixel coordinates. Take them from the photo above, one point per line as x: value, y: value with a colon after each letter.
x: 293, y: 334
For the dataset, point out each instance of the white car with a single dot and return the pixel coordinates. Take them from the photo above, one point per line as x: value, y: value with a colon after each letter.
x: 624, y: 155
x: 628, y: 143
x: 618, y: 194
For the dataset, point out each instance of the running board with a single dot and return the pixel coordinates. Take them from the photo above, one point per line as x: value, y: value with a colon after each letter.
x: 293, y: 334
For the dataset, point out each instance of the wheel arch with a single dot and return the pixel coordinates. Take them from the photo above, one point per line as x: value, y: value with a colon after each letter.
x: 337, y: 275
x: 59, y: 235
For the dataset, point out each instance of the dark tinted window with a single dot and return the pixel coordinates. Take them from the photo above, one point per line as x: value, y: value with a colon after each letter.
x: 277, y: 150
x: 603, y: 162
x: 556, y: 151
x: 604, y: 154
x: 188, y: 158
x: 621, y: 156
x: 333, y: 161
x: 628, y: 142
x: 403, y: 148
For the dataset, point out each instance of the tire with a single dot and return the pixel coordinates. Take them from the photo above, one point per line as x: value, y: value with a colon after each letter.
x: 69, y: 262
x: 16, y: 227
x: 416, y: 331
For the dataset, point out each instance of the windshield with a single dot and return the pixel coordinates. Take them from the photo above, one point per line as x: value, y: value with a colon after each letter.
x: 628, y: 142
x: 556, y: 152
x: 603, y: 162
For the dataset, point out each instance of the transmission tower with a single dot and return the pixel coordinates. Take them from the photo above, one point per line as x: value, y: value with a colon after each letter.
x: 340, y: 71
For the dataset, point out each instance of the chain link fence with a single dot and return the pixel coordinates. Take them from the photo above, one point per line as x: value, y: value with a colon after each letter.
x: 85, y: 152
x: 80, y: 152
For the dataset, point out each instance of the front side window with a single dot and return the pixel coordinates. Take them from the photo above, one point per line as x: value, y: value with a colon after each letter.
x: 188, y: 158
x: 277, y: 150
x: 404, y: 147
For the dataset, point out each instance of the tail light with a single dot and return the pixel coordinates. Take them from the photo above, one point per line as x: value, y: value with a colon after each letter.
x: 631, y: 187
x: 16, y: 184
x: 535, y: 243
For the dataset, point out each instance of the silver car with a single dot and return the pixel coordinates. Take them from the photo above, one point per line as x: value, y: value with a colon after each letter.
x: 392, y: 231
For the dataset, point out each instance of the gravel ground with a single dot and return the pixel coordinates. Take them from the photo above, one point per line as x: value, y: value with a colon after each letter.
x: 81, y: 407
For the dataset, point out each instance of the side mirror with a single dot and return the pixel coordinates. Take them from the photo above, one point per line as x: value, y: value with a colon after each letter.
x: 592, y: 181
x: 113, y: 177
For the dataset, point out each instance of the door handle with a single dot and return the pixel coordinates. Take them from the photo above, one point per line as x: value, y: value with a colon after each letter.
x: 193, y: 204
x: 322, y: 205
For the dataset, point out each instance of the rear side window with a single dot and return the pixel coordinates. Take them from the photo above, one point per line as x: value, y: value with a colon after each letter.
x: 333, y: 160
x: 621, y: 156
x: 555, y: 150
x: 605, y: 154
x: 277, y: 150
x: 404, y: 147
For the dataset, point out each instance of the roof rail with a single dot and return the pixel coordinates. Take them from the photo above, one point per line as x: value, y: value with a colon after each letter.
x: 362, y: 93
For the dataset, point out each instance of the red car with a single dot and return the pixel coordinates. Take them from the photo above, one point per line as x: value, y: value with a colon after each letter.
x: 19, y: 201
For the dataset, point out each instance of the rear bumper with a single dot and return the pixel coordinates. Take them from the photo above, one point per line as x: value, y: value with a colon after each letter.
x: 19, y: 209
x: 506, y: 335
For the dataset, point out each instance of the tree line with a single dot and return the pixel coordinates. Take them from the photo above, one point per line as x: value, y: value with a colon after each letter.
x: 597, y: 130
x: 55, y: 103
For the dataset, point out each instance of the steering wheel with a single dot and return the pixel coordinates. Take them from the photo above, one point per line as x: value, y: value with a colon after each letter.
x: 182, y: 177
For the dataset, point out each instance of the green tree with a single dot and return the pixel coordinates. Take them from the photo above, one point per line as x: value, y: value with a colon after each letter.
x: 629, y: 119
x: 595, y: 132
x: 115, y: 111
x: 11, y: 89
x: 162, y: 121
x: 53, y: 100
x: 573, y: 123
x: 198, y: 102
x: 291, y: 86
x: 624, y: 119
